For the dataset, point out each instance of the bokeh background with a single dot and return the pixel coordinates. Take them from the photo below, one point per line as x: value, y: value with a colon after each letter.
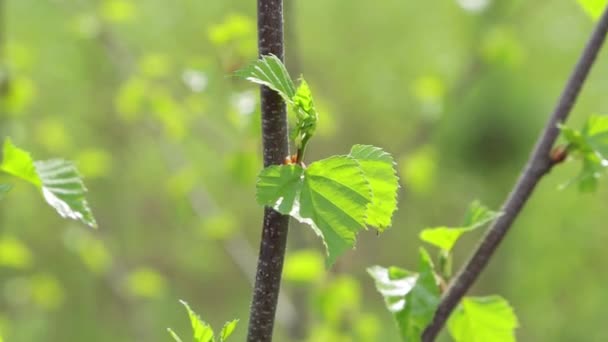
x: 139, y: 93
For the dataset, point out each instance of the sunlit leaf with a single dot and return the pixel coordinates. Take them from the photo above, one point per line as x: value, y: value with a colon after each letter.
x: 146, y: 283
x: 228, y: 329
x: 19, y: 163
x: 202, y: 331
x: 331, y: 196
x: 379, y: 169
x: 393, y: 284
x: 483, y: 319
x: 445, y: 237
x: 118, y: 10
x: 270, y: 72
x: 594, y: 8
x: 303, y: 266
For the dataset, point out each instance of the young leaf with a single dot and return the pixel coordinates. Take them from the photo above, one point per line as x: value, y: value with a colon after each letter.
x: 591, y: 145
x: 58, y: 180
x: 379, y: 169
x: 4, y: 189
x: 483, y: 319
x: 228, y: 329
x: 306, y: 117
x: 331, y: 196
x: 445, y: 237
x: 201, y: 330
x: 63, y: 189
x: 270, y: 71
x: 593, y: 8
x: 412, y: 298
x: 18, y: 163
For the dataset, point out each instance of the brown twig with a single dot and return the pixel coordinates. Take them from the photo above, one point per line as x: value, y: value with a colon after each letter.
x: 538, y: 165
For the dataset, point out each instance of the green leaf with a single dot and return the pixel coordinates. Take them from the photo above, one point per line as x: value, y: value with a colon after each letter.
x: 19, y: 163
x: 59, y: 181
x: 445, y: 237
x: 228, y: 329
x: 269, y: 71
x: 303, y: 266
x: 201, y: 330
x: 306, y: 116
x: 174, y: 335
x: 63, y: 188
x: 379, y: 169
x: 4, y: 189
x: 412, y: 298
x: 483, y: 319
x: 593, y: 8
x: 331, y: 196
x: 590, y: 144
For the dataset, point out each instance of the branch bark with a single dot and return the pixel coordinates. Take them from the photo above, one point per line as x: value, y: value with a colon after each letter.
x: 276, y: 148
x: 538, y: 165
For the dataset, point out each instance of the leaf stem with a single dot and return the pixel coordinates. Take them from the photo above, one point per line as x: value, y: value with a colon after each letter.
x: 538, y: 165
x: 276, y: 147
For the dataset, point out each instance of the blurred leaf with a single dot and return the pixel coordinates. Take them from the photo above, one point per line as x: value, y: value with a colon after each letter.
x: 339, y: 300
x: 201, y: 330
x: 19, y: 163
x: 146, y: 282
x: 483, y: 319
x: 91, y: 249
x: 594, y: 8
x: 47, y: 292
x: 304, y: 266
x: 501, y: 46
x: 118, y: 10
x: 14, y: 254
x: 331, y: 196
x: 52, y: 134
x: 419, y: 170
x: 270, y: 72
x: 131, y: 98
x: 21, y: 93
x: 412, y: 298
x: 379, y: 169
x: 590, y: 144
x: 4, y: 189
x: 181, y: 183
x: 430, y: 92
x: 228, y: 329
x: 86, y: 25
x: 235, y: 27
x: 445, y: 237
x: 170, y: 113
x: 220, y: 226
x: 155, y: 65
x: 94, y: 162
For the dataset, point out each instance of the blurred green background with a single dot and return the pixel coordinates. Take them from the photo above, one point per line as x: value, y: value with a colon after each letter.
x: 139, y: 93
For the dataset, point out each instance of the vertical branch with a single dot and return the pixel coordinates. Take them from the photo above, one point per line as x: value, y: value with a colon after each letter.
x: 538, y: 165
x: 276, y: 148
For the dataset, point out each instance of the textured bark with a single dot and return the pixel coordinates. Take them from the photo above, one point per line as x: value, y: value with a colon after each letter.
x: 276, y: 148
x: 538, y: 165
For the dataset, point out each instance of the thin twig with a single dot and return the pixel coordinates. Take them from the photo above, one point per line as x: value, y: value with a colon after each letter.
x: 276, y: 148
x: 537, y: 166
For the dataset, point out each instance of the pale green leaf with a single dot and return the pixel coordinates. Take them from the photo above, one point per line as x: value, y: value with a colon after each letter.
x: 303, y: 266
x: 270, y: 72
x: 18, y: 163
x: 411, y: 297
x: 445, y: 237
x: 4, y: 189
x: 379, y: 169
x: 593, y: 8
x: 201, y: 330
x: 63, y: 188
x: 174, y: 335
x: 331, y: 196
x: 483, y: 319
x: 228, y: 329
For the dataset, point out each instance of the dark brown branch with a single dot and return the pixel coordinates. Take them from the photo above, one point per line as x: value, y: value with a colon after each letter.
x: 276, y: 148
x: 538, y: 165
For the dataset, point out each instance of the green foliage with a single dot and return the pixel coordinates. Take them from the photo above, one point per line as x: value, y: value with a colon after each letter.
x: 590, y: 145
x: 411, y: 297
x: 483, y: 319
x: 303, y: 266
x: 445, y: 237
x: 202, y: 332
x: 57, y: 179
x: 594, y: 8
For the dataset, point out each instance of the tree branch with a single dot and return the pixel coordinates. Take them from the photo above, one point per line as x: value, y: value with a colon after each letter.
x: 538, y: 165
x: 276, y: 148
